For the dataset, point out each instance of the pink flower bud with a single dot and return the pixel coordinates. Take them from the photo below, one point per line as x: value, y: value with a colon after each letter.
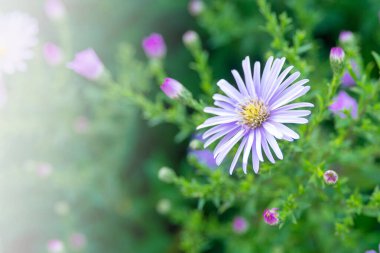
x: 87, y: 64
x: 172, y: 88
x: 330, y: 177
x: 52, y: 53
x: 271, y: 216
x: 346, y: 36
x: 190, y: 37
x: 154, y: 46
x: 196, y: 7
x: 336, y: 55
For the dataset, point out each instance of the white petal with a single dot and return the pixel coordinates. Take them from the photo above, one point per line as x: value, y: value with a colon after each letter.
x: 258, y: 145
x: 289, y: 95
x: 229, y: 90
x: 217, y: 120
x: 218, y: 111
x: 270, y: 128
x: 237, y: 155
x: 227, y: 147
x: 256, y: 78
x: 248, y: 77
x: 224, y: 105
x: 288, y: 120
x: 240, y: 83
x: 272, y: 83
x: 273, y: 143
x: 286, y: 130
x: 265, y: 146
x: 291, y: 113
x: 294, y: 106
x: 247, y: 150
x: 255, y: 160
x: 222, y: 98
x: 216, y: 129
x: 218, y: 136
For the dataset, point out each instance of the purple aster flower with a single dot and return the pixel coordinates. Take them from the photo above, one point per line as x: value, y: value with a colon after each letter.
x: 330, y: 177
x: 373, y: 251
x: 343, y: 102
x: 346, y: 36
x: 87, y: 64
x: 347, y: 79
x: 205, y: 157
x: 52, y: 53
x: 172, y: 88
x: 271, y: 216
x: 239, y: 225
x: 256, y: 113
x: 154, y: 46
x: 55, y: 9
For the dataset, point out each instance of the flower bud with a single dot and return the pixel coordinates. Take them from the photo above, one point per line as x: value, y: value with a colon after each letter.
x: 172, y: 88
x: 87, y: 64
x: 330, y: 177
x: 154, y: 46
x: 163, y: 206
x: 196, y: 144
x: 166, y: 175
x: 190, y: 38
x: 346, y: 37
x: 239, y: 225
x: 337, y: 59
x: 271, y: 216
x: 196, y: 7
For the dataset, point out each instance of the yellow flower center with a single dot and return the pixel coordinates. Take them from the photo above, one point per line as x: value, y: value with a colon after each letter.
x: 254, y: 113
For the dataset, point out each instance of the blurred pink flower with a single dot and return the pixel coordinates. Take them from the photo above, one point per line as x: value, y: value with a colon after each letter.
x: 154, y: 46
x: 330, y: 177
x: 78, y: 241
x: 271, y: 216
x: 87, y: 64
x: 44, y: 169
x: 55, y: 9
x: 18, y: 36
x: 346, y: 36
x: 196, y: 7
x: 343, y: 102
x: 55, y: 246
x: 240, y: 225
x: 81, y: 124
x: 52, y: 53
x: 3, y: 93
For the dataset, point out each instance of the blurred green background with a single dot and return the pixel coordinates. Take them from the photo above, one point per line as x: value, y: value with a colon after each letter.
x: 103, y: 181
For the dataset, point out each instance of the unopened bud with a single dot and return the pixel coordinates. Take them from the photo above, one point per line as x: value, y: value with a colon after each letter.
x: 190, y: 38
x: 163, y: 206
x: 330, y: 177
x: 166, y: 175
x: 172, y: 88
x: 337, y: 59
x: 346, y: 37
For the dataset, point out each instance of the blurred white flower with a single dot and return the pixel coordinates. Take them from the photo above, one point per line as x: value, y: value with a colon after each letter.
x: 55, y: 246
x: 18, y: 36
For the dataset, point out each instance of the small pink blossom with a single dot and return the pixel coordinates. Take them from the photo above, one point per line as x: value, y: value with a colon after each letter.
x: 190, y: 37
x: 271, y: 216
x: 78, y: 241
x: 3, y: 93
x: 336, y: 55
x: 81, y: 125
x: 87, y: 64
x: 346, y: 36
x: 55, y: 9
x: 172, y: 88
x: 330, y: 177
x: 154, y: 46
x: 196, y: 7
x: 44, y: 169
x: 55, y: 246
x: 240, y: 225
x: 343, y: 102
x: 52, y: 53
